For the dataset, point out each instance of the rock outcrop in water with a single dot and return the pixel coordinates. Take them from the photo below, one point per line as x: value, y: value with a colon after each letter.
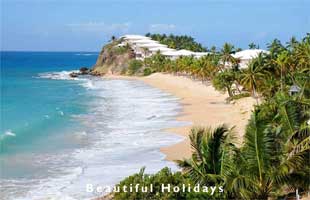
x: 113, y: 59
x: 83, y: 71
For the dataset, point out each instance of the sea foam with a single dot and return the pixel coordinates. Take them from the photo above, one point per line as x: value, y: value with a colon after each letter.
x: 9, y: 133
x: 122, y: 133
x: 63, y: 75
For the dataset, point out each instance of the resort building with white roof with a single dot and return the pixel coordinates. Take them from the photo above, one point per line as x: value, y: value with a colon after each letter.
x: 247, y: 55
x: 144, y: 47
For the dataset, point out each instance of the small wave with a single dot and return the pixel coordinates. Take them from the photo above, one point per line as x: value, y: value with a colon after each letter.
x: 80, y: 135
x: 85, y: 54
x: 88, y: 84
x: 61, y: 113
x: 9, y: 133
x: 52, y: 188
x: 6, y: 134
x: 63, y: 75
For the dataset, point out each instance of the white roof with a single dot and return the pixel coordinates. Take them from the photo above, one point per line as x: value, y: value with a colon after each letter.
x: 201, y: 53
x: 185, y: 51
x: 149, y: 45
x: 178, y: 53
x: 135, y: 37
x: 144, y: 41
x: 121, y: 45
x: 169, y: 53
x: 161, y: 49
x: 248, y: 54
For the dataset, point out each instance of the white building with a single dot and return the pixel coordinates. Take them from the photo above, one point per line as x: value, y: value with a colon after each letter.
x: 134, y: 37
x: 176, y: 54
x: 246, y: 56
x: 160, y: 49
x: 145, y: 47
x: 201, y: 54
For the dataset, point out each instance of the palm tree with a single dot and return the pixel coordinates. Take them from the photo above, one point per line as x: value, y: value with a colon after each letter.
x: 213, y: 150
x: 213, y: 49
x: 254, y: 74
x: 270, y: 158
x: 226, y: 56
x: 292, y: 43
x: 282, y: 62
x: 253, y: 46
x: 224, y: 81
x: 275, y: 47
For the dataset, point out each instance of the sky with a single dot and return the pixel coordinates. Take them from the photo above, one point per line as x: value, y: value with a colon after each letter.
x: 86, y: 25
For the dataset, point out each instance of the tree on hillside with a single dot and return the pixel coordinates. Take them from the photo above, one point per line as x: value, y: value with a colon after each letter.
x: 178, y: 42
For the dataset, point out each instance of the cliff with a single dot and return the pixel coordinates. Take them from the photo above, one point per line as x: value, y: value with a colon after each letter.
x: 113, y: 59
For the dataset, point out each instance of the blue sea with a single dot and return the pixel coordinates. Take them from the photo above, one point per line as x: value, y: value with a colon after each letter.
x: 58, y: 134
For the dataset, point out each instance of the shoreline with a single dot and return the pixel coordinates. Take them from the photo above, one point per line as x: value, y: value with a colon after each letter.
x: 201, y: 105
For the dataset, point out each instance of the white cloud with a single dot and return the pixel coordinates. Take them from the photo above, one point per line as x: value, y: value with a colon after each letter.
x: 158, y: 28
x: 100, y: 27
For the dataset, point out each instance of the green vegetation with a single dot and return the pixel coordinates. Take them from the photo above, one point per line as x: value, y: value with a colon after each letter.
x: 113, y: 59
x: 272, y: 162
x: 121, y: 50
x: 270, y: 72
x: 147, y: 71
x: 134, y: 66
x: 163, y: 177
x: 224, y: 81
x: 274, y: 159
x: 178, y: 42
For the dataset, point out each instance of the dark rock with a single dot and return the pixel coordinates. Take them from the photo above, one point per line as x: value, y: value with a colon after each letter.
x: 74, y: 75
x: 84, y: 70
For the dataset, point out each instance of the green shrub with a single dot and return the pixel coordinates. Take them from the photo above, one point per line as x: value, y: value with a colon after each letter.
x: 239, y: 96
x: 147, y: 71
x: 120, y: 50
x: 134, y: 66
x: 223, y: 81
x: 123, y: 71
x: 164, y: 176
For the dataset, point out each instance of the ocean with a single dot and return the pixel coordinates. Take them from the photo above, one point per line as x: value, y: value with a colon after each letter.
x: 58, y: 134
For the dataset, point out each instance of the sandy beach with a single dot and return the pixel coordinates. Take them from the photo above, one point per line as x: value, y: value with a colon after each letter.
x: 202, y: 106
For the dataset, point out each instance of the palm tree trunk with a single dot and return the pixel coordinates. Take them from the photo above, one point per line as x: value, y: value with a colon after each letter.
x: 297, y: 195
x: 237, y: 86
x: 229, y: 92
x: 281, y: 79
x: 255, y: 95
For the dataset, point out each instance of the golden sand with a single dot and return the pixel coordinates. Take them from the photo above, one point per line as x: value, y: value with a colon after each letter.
x: 202, y: 105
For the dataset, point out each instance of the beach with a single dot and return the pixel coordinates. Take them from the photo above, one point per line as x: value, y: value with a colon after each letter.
x: 81, y: 130
x: 202, y: 106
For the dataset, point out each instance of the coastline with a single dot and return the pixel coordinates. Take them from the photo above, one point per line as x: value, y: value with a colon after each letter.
x: 202, y: 106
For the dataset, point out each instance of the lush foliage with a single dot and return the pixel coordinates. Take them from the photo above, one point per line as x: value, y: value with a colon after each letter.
x: 274, y: 158
x: 178, y: 42
x: 278, y: 70
x: 165, y: 177
x: 134, y: 66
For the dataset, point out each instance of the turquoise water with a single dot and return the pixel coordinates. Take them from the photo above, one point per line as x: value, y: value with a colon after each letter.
x: 58, y: 133
x: 33, y: 108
